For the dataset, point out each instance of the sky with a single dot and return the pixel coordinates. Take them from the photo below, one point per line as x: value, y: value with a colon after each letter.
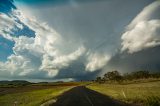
x: 77, y: 39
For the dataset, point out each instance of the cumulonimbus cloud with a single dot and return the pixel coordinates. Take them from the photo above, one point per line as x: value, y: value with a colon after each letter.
x: 83, y: 46
x: 36, y: 54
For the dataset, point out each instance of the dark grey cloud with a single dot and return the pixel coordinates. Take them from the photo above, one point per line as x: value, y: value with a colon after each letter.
x: 77, y: 71
x: 148, y: 59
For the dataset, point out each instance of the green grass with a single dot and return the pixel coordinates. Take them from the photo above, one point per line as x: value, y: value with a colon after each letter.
x: 147, y: 93
x: 32, y: 98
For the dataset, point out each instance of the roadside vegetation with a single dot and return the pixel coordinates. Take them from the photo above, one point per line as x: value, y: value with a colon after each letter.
x: 140, y: 87
x: 115, y: 76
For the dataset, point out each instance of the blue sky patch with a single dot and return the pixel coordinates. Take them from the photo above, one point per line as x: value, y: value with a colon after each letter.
x: 5, y: 48
x: 26, y: 31
x: 6, y: 6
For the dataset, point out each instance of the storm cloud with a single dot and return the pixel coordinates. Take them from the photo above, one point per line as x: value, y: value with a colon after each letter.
x: 75, y: 40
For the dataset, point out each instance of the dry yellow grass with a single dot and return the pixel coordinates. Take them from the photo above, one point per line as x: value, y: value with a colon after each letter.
x: 135, y: 93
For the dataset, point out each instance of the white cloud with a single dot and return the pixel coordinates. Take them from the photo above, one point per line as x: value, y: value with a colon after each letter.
x: 7, y: 24
x: 40, y: 53
x: 46, y: 38
x: 13, y: 65
x: 143, y: 32
x: 149, y: 12
x: 144, y: 35
x: 34, y: 48
x: 52, y: 64
x: 26, y: 50
x: 16, y: 65
x: 96, y: 61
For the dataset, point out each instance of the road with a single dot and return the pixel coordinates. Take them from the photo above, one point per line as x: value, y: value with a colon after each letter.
x: 82, y: 96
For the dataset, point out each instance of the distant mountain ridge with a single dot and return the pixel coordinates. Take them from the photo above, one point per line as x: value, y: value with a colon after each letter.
x: 14, y: 82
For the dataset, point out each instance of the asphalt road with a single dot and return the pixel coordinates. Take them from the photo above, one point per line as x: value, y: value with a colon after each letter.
x: 82, y: 96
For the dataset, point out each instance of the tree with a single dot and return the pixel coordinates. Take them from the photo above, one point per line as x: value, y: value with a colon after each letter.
x: 99, y: 79
x: 113, y: 75
x: 155, y: 75
x: 140, y: 74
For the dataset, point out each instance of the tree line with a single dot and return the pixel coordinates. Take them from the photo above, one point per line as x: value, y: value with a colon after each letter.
x: 117, y: 76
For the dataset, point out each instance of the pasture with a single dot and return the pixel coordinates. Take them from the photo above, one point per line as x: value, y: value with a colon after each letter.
x: 32, y: 95
x: 142, y: 93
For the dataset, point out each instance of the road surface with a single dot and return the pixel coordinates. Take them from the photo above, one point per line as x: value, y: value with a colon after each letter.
x: 82, y: 96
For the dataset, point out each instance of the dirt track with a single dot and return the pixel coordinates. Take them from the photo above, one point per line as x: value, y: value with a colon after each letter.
x: 82, y: 96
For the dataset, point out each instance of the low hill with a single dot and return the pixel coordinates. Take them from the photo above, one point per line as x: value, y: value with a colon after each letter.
x: 6, y: 83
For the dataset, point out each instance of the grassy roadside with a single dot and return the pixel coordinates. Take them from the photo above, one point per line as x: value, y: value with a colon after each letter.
x: 147, y: 93
x: 32, y: 98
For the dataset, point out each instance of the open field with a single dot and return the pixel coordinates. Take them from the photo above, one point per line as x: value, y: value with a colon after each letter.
x: 8, y: 89
x: 144, y: 93
x: 32, y: 95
